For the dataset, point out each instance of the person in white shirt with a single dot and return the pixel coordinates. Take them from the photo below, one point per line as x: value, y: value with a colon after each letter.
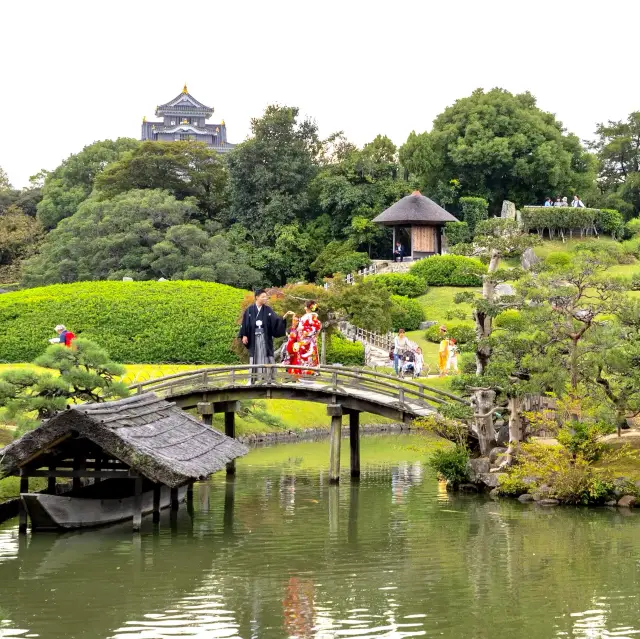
x: 452, y: 361
x: 577, y: 203
x: 400, y: 345
x: 418, y: 362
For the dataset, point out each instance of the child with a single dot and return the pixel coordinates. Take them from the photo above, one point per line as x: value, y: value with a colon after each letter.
x: 452, y: 362
x: 418, y: 362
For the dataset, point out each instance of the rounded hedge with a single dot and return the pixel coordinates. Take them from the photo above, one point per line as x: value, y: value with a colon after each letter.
x: 450, y: 270
x: 136, y: 322
x: 401, y: 284
x: 343, y: 351
x: 405, y: 313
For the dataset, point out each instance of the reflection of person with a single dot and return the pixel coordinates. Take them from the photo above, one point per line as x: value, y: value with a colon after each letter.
x: 299, y: 610
x: 64, y: 336
x: 443, y: 352
x: 260, y: 324
x: 302, y: 345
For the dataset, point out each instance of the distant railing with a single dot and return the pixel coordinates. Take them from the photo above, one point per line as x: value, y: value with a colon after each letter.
x: 359, y: 383
x: 383, y: 341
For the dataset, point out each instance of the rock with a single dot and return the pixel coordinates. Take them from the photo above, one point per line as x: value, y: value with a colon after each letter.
x: 542, y: 492
x: 425, y: 325
x: 627, y: 501
x: 526, y: 498
x: 612, y: 502
x: 504, y: 289
x: 468, y: 488
x: 494, y: 494
x: 491, y: 480
x: 502, y: 433
x: 477, y: 467
x: 548, y: 502
x: 529, y: 259
x: 495, y: 453
x: 127, y: 279
x: 508, y: 210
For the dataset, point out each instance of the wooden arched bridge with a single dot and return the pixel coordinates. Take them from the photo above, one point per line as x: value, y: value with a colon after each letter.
x: 346, y: 391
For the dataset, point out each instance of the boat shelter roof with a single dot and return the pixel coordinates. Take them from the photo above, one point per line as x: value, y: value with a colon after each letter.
x: 152, y: 436
x: 414, y: 209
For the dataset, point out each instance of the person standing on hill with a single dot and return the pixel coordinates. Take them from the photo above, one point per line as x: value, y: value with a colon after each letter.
x: 443, y: 352
x: 64, y: 336
x: 260, y: 324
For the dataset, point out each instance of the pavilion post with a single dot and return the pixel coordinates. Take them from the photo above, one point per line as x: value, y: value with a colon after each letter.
x: 137, y: 505
x: 174, y: 500
x: 22, y: 512
x: 230, y: 431
x: 393, y: 247
x: 157, y: 490
x: 335, y: 412
x: 51, y: 481
x: 354, y: 442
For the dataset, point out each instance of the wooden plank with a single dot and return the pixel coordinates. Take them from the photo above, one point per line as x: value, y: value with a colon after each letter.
x: 354, y: 442
x: 423, y: 239
x: 137, y: 505
x: 334, y: 450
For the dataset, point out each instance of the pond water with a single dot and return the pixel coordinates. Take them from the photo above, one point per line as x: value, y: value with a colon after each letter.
x: 279, y: 553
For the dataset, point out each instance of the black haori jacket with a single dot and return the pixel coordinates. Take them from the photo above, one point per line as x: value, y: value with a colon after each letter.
x: 273, y: 324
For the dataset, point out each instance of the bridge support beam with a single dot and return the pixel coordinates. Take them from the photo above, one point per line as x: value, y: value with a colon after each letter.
x: 354, y: 442
x: 230, y: 431
x: 335, y: 412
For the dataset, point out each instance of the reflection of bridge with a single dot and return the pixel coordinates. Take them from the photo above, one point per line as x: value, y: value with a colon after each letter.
x: 346, y: 391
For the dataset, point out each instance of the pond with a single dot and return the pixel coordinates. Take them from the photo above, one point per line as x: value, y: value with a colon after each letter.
x: 278, y: 552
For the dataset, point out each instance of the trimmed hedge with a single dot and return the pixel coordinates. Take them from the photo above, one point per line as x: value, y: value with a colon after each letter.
x: 457, y: 233
x: 136, y: 322
x: 343, y: 351
x: 405, y: 313
x: 450, y: 270
x: 401, y: 284
x: 565, y: 220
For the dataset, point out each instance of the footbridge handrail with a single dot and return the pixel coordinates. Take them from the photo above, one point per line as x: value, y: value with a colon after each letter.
x: 336, y: 378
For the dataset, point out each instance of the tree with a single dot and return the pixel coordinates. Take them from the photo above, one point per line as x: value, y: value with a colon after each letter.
x: 20, y: 235
x: 144, y: 234
x: 71, y: 183
x: 499, y: 146
x: 84, y: 373
x: 184, y: 169
x: 5, y: 185
x: 618, y: 150
x: 269, y: 174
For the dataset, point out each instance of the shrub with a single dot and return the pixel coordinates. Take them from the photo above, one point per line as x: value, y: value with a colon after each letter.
x: 450, y: 270
x: 463, y: 333
x: 634, y: 284
x: 456, y: 313
x: 632, y: 227
x: 401, y: 284
x: 560, y: 259
x: 405, y: 313
x: 343, y: 351
x: 451, y: 464
x: 611, y: 222
x: 632, y: 246
x: 339, y: 257
x: 457, y: 233
x: 474, y: 209
x: 150, y: 322
x: 584, y: 438
x: 511, y: 319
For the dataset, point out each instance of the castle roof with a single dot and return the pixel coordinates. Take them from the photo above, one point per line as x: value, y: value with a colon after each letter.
x: 414, y: 209
x: 184, y: 104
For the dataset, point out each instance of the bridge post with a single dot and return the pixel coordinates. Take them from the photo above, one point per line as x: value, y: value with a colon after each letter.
x: 206, y: 411
x: 230, y: 431
x: 354, y: 442
x: 335, y: 412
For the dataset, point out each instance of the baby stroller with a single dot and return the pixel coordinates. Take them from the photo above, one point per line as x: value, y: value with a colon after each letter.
x: 407, y: 365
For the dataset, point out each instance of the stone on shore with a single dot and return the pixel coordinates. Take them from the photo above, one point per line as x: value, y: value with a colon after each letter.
x: 529, y: 259
x: 627, y: 501
x: 477, y: 467
x: 526, y: 498
x: 496, y: 453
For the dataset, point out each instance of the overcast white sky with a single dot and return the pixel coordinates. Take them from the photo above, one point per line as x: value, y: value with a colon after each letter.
x: 76, y: 72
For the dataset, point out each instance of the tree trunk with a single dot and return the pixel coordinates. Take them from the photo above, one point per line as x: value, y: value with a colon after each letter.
x: 515, y: 430
x: 484, y: 322
x: 574, y: 364
x: 483, y: 400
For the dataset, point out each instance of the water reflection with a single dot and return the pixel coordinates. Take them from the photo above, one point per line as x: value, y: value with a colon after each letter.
x: 272, y: 553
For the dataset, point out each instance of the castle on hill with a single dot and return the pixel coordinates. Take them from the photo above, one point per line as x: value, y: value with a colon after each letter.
x: 184, y: 118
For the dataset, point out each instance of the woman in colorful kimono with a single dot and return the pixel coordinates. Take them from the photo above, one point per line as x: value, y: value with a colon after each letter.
x: 302, y: 346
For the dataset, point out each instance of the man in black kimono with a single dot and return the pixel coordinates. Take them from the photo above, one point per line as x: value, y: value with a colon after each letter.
x: 260, y: 324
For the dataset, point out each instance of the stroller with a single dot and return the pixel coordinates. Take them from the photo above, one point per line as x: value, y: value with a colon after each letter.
x: 409, y: 364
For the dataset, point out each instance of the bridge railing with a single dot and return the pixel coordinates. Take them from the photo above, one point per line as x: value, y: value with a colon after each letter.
x: 336, y: 379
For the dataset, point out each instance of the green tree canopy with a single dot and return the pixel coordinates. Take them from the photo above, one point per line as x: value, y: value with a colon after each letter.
x: 71, y: 183
x: 499, y: 146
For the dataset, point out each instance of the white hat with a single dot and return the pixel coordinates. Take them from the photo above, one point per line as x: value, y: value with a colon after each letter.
x: 59, y: 327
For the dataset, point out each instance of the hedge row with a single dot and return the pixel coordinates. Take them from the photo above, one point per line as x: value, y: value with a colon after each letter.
x: 401, y: 284
x: 567, y: 219
x: 137, y: 322
x: 343, y: 351
x: 450, y: 270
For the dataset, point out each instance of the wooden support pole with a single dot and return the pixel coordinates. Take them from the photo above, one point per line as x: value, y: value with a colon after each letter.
x: 173, y: 514
x: 174, y: 500
x: 157, y: 490
x: 98, y: 468
x: 335, y: 412
x: 51, y: 482
x: 79, y: 464
x: 22, y: 512
x: 230, y: 431
x: 354, y: 442
x: 190, y: 493
x: 137, y: 505
x: 229, y: 499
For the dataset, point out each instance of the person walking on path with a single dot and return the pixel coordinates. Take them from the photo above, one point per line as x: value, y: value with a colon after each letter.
x: 400, y: 345
x: 260, y: 324
x: 64, y: 336
x: 452, y: 361
x: 443, y: 352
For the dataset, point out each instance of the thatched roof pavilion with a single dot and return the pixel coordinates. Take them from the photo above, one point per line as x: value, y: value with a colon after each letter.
x: 417, y: 220
x: 142, y: 439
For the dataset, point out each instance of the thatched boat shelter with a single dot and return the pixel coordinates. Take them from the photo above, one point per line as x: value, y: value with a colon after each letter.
x: 142, y: 440
x: 417, y: 224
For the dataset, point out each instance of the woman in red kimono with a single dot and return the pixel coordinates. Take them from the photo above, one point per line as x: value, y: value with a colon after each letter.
x: 302, y: 346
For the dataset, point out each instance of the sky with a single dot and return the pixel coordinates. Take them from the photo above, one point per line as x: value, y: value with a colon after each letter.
x: 77, y: 72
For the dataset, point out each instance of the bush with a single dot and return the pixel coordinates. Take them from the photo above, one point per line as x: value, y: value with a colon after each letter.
x: 343, y: 351
x: 456, y: 313
x: 405, y: 313
x: 339, y: 257
x: 611, y: 222
x: 584, y: 438
x: 463, y: 333
x: 632, y: 247
x: 560, y: 259
x: 451, y: 464
x: 511, y: 319
x: 136, y: 322
x: 474, y: 209
x: 634, y: 284
x: 632, y: 228
x: 401, y: 284
x: 457, y: 233
x: 450, y: 270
